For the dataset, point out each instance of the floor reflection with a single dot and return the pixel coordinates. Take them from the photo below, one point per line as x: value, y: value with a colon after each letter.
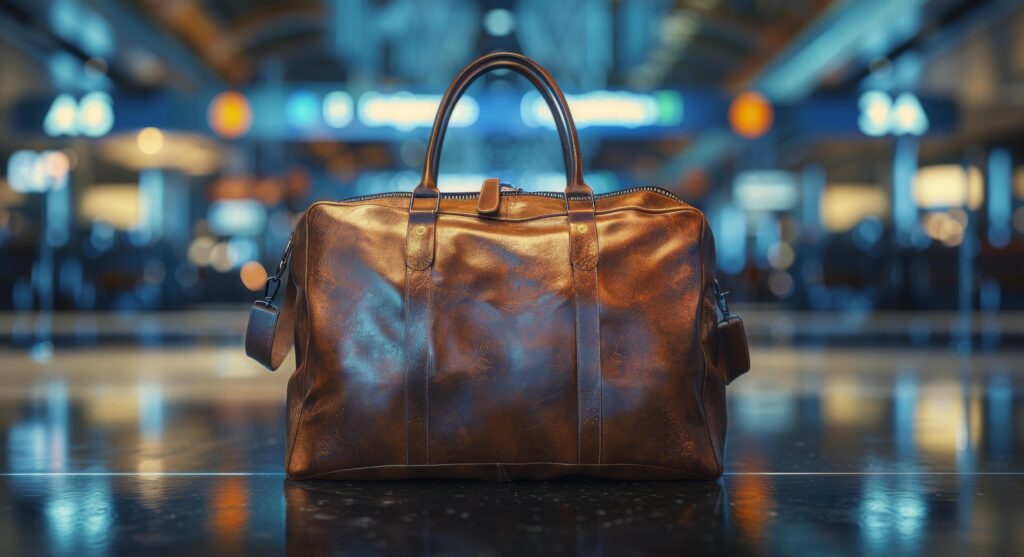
x: 891, y: 514
x: 567, y: 517
x: 830, y: 451
x: 803, y: 411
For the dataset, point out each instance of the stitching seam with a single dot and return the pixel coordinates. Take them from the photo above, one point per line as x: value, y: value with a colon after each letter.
x: 703, y: 350
x: 685, y: 472
x: 405, y: 361
x: 576, y: 303
x: 305, y: 347
x: 476, y: 216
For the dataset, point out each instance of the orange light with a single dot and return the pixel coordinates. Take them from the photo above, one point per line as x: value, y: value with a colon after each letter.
x: 230, y: 114
x: 253, y: 275
x: 751, y: 114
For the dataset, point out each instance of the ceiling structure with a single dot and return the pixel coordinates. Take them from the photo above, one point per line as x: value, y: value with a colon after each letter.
x: 786, y: 48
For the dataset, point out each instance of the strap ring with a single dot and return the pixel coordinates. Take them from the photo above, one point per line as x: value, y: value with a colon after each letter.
x: 268, y: 295
x: 590, y: 196
x: 415, y: 194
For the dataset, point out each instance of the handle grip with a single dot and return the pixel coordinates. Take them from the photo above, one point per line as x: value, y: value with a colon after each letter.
x: 547, y: 87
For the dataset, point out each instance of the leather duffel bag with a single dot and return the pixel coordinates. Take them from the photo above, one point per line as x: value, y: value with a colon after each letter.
x: 502, y: 334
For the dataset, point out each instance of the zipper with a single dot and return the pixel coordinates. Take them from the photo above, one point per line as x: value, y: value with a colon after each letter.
x: 517, y: 191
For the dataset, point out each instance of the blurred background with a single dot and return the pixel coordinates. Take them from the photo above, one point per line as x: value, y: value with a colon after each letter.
x: 861, y: 163
x: 852, y: 156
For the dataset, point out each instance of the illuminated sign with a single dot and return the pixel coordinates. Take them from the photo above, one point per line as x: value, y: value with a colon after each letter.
x: 34, y: 172
x: 407, y: 111
x: 608, y: 108
x: 92, y: 116
x: 766, y: 190
x: 881, y: 115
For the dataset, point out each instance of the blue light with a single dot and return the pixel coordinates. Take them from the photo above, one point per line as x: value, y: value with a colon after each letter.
x: 730, y: 225
x: 151, y: 410
x: 92, y: 116
x: 499, y: 22
x: 1000, y: 199
x: 867, y: 233
x: 881, y: 115
x: 338, y: 109
x: 766, y: 190
x: 766, y: 234
x: 95, y: 114
x: 1000, y: 413
x: 32, y: 172
x: 908, y: 116
x: 82, y: 26
x: 301, y: 109
x: 58, y: 216
x: 406, y: 111
x: 236, y: 217
x: 904, y: 213
x: 65, y: 70
x: 95, y: 35
x: 875, y: 107
x: 241, y: 250
x: 151, y: 201
x: 65, y: 16
x: 904, y: 402
x: 62, y: 117
x: 608, y: 108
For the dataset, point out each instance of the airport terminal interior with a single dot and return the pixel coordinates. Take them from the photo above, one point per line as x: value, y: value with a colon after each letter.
x: 861, y: 164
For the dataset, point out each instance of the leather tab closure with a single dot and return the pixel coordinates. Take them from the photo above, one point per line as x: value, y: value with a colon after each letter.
x: 419, y: 234
x: 583, y: 244
x: 490, y: 197
x: 419, y: 241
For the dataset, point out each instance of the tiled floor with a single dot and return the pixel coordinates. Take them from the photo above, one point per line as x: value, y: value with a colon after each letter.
x: 176, y: 444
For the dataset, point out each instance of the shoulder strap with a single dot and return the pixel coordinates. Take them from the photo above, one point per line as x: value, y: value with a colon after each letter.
x: 269, y: 335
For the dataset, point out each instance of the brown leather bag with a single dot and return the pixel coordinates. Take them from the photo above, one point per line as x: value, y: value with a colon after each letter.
x: 502, y: 335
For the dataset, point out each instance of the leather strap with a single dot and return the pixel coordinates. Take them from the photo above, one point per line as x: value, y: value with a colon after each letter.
x: 544, y: 83
x: 419, y: 357
x: 584, y: 256
x: 269, y: 335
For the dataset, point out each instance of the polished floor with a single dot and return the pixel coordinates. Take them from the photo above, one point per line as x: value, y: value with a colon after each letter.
x: 155, y: 435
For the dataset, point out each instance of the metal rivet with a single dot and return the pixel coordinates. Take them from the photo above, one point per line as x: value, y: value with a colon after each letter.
x: 582, y: 228
x: 420, y: 230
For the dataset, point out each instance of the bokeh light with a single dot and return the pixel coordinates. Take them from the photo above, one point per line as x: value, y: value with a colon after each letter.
x: 751, y: 114
x: 150, y: 140
x: 230, y: 115
x: 253, y: 275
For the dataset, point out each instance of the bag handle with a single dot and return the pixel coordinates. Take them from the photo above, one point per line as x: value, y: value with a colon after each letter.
x: 547, y: 87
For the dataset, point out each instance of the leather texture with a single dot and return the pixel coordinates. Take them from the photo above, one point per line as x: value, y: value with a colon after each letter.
x: 531, y: 336
x: 734, y: 352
